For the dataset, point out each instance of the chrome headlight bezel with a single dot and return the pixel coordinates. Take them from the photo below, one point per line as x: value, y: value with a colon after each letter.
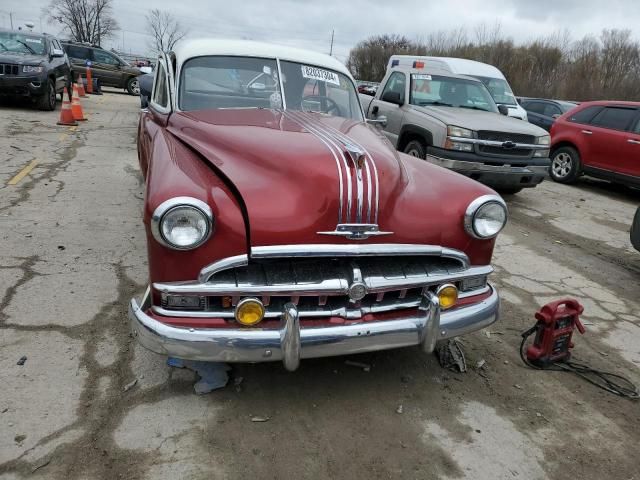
x: 167, y: 206
x: 473, y: 209
x: 459, y: 132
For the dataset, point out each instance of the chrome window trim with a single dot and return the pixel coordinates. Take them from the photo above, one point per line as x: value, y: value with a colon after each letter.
x: 473, y: 207
x: 172, y: 203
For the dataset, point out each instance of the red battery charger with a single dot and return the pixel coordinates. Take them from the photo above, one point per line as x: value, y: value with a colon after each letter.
x: 554, y: 329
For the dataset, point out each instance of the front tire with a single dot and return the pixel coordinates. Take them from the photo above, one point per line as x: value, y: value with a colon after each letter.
x: 47, y: 101
x: 565, y: 165
x: 133, y: 87
x: 416, y: 148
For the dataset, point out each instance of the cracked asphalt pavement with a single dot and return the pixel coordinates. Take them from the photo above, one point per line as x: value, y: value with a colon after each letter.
x: 72, y: 253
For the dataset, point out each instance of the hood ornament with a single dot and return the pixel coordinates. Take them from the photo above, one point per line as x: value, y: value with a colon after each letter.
x: 356, y: 154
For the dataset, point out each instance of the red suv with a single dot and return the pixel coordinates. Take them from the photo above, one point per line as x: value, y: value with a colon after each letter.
x: 599, y: 139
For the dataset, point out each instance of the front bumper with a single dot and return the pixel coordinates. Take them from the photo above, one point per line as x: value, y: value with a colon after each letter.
x: 494, y: 172
x: 22, y: 86
x: 290, y: 343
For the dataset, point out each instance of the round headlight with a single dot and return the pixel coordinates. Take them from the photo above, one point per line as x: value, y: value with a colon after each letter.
x: 182, y: 223
x: 485, y: 217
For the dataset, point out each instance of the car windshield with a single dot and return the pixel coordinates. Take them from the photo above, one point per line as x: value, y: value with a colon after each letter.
x: 22, y: 43
x: 216, y: 82
x: 450, y: 92
x: 499, y: 90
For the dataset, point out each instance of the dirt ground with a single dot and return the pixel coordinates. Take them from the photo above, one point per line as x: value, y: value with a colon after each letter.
x: 72, y: 253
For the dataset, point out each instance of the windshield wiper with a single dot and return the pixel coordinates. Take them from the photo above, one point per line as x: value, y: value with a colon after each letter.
x: 2, y: 45
x: 439, y: 104
x: 473, y: 107
x: 26, y: 46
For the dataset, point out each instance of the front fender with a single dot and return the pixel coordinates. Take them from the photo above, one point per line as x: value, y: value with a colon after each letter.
x: 175, y: 170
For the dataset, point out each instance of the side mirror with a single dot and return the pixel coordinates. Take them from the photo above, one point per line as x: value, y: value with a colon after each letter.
x: 144, y: 101
x: 635, y: 231
x: 56, y: 52
x: 555, y: 115
x: 503, y: 109
x: 392, y: 97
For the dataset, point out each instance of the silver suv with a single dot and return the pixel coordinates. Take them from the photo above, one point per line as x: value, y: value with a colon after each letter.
x: 452, y: 121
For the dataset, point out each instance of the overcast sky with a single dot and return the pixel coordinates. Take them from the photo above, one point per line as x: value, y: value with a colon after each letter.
x: 308, y: 24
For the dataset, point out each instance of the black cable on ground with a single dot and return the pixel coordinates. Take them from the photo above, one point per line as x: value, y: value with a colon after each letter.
x: 611, y: 382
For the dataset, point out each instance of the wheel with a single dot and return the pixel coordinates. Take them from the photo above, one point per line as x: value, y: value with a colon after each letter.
x: 565, y: 165
x: 48, y: 100
x: 133, y: 87
x: 509, y: 190
x: 416, y: 148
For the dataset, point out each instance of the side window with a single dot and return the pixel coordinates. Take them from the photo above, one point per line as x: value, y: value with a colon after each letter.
x: 396, y: 83
x: 615, y: 118
x: 101, y: 56
x: 585, y: 115
x: 81, y: 53
x: 160, y: 96
x: 550, y: 110
x: 536, y: 107
x: 636, y: 129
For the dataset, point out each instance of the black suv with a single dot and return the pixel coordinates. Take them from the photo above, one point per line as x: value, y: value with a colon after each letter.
x: 33, y: 65
x: 543, y: 112
x: 111, y: 70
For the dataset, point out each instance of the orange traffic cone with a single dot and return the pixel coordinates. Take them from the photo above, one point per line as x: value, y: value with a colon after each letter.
x: 66, y: 115
x: 81, y: 91
x: 76, y: 108
x: 89, y: 81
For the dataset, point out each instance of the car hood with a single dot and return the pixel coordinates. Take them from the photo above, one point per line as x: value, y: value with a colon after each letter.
x: 479, y: 120
x: 21, y: 59
x: 291, y: 170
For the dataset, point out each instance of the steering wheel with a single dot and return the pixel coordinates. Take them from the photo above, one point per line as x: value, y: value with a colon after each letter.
x: 330, y: 108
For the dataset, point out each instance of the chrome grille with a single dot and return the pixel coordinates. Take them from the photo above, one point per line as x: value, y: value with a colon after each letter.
x: 513, y: 152
x: 8, y: 69
x: 320, y: 286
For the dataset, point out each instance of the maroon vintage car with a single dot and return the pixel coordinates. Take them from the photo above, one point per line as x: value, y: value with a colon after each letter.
x: 281, y: 226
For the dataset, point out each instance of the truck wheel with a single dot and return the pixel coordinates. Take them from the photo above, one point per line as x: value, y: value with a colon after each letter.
x: 133, y: 87
x: 48, y: 100
x: 416, y: 148
x: 565, y: 165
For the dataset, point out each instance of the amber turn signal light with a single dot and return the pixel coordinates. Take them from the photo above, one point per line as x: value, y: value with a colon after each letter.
x: 447, y: 295
x: 249, y: 311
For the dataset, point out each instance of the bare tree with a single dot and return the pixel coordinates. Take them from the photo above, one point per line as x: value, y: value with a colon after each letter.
x: 165, y: 30
x: 553, y: 66
x: 85, y: 20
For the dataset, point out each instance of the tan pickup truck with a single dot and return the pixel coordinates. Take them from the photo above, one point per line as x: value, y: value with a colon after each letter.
x: 452, y: 121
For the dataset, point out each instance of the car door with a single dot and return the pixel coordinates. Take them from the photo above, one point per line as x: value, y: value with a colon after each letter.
x: 396, y: 85
x: 630, y: 160
x: 608, y: 133
x: 79, y: 57
x: 107, y: 68
x: 59, y: 64
x: 549, y: 114
x: 535, y: 111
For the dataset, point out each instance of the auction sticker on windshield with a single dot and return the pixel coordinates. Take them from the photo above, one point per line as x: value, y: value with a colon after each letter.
x: 315, y: 73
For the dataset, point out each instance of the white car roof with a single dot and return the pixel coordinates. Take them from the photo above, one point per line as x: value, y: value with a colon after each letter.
x: 460, y: 66
x: 187, y: 49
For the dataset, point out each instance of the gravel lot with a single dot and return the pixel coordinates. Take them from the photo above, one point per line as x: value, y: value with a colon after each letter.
x: 72, y: 253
